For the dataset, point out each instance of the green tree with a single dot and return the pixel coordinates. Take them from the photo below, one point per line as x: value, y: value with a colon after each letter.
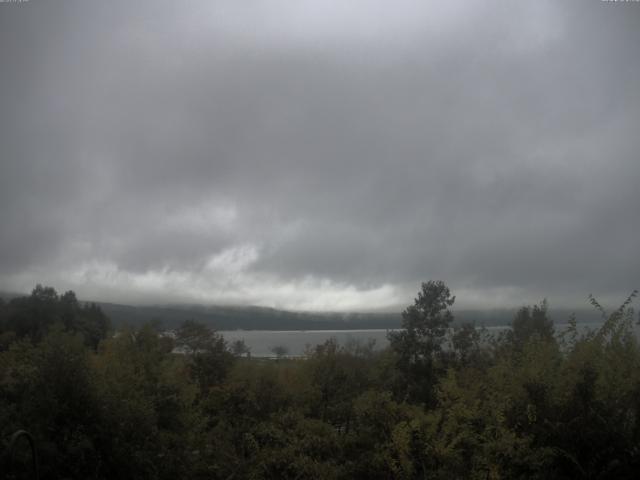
x: 33, y: 316
x: 150, y: 425
x: 418, y: 345
x: 207, y: 354
x: 338, y: 374
x: 531, y: 322
x: 48, y: 389
x: 239, y: 348
x: 280, y: 351
x: 466, y: 343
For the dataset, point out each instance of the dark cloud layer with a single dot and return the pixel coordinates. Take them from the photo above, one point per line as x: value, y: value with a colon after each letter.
x: 321, y: 155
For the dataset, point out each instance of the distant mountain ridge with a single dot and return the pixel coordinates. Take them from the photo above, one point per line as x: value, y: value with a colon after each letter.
x: 266, y: 318
x: 247, y: 318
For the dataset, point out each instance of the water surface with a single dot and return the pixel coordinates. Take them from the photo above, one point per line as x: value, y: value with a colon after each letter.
x: 296, y: 342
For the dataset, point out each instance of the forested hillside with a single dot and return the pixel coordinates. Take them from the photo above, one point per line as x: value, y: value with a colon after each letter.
x: 439, y: 403
x: 261, y: 318
x: 246, y: 318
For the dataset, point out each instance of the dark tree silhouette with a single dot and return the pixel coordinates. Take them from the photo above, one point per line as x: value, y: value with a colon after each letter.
x: 418, y: 345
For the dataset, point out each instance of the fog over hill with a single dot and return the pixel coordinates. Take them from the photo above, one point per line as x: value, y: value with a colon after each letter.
x: 260, y: 318
x: 222, y: 317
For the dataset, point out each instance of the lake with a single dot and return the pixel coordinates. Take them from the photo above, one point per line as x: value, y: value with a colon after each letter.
x: 296, y: 341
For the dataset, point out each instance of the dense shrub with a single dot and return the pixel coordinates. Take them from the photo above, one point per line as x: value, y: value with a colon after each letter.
x: 436, y: 404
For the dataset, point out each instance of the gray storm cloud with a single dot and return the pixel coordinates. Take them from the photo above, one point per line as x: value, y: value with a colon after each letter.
x: 320, y: 155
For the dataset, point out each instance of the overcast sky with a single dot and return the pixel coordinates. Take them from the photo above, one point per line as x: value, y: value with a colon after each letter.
x: 320, y: 155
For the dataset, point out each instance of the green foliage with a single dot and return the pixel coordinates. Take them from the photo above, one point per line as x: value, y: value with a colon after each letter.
x: 280, y: 351
x: 209, y: 359
x: 142, y: 404
x: 418, y: 345
x: 48, y: 390
x: 147, y: 403
x: 529, y: 323
x: 239, y: 348
x: 467, y: 344
x: 338, y: 374
x: 33, y: 316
